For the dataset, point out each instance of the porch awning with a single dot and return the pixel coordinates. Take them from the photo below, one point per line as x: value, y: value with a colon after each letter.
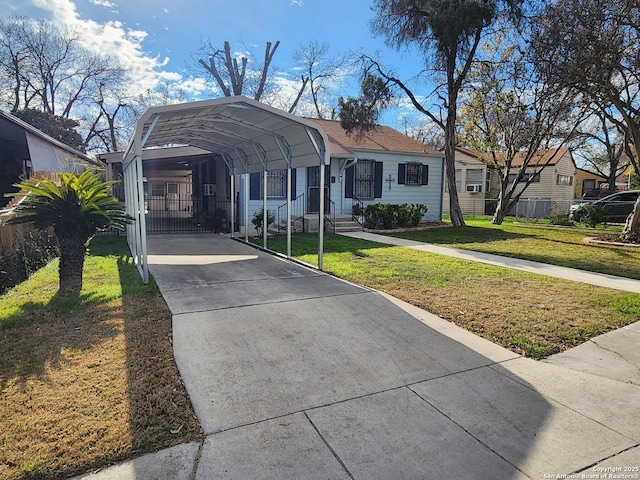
x: 251, y: 136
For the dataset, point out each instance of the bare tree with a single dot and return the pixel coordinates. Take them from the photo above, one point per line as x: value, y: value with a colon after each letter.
x: 428, y: 133
x: 593, y: 46
x: 14, y: 54
x: 230, y: 72
x: 322, y: 74
x: 601, y: 145
x: 47, y: 68
x: 519, y: 121
x: 449, y: 33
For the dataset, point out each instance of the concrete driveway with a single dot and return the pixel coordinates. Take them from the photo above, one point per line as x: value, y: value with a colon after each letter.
x: 294, y: 374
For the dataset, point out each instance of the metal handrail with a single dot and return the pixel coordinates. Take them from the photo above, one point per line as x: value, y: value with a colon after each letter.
x: 331, y: 216
x: 357, y: 210
x: 297, y: 204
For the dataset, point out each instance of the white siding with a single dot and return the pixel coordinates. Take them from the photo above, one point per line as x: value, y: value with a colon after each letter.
x: 392, y: 192
x: 470, y: 203
x: 430, y: 195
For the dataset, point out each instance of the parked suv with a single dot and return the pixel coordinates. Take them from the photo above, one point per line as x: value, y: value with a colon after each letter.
x: 615, y: 208
x: 597, y: 194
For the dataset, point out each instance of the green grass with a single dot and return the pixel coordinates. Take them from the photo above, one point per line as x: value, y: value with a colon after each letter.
x: 531, y: 314
x: 563, y: 246
x: 87, y: 380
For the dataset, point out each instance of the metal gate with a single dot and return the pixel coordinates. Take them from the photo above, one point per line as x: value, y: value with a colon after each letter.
x: 177, y: 213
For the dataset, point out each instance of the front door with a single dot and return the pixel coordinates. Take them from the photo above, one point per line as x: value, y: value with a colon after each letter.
x: 313, y: 190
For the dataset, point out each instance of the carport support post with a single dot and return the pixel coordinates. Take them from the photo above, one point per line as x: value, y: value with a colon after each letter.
x: 265, y: 223
x: 289, y: 210
x: 321, y: 215
x: 246, y: 205
x: 233, y: 204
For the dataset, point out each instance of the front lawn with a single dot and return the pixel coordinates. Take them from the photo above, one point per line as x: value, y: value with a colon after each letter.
x: 562, y: 246
x: 87, y: 381
x: 531, y: 314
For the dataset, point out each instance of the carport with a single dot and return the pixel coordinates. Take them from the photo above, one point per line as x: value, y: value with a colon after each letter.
x: 249, y: 136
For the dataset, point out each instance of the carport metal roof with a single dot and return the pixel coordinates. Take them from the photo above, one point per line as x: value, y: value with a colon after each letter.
x: 250, y: 136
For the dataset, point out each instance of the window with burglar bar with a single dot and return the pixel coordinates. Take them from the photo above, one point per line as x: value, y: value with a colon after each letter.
x: 364, y: 178
x: 414, y: 173
x: 277, y: 184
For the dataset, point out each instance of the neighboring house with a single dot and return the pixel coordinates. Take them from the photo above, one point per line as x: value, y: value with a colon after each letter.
x: 471, y: 182
x: 26, y: 152
x: 586, y: 180
x: 382, y: 166
x: 555, y: 183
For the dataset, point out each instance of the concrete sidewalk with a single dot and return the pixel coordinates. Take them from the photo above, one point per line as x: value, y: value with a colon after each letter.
x: 296, y: 374
x: 598, y: 279
x: 615, y: 355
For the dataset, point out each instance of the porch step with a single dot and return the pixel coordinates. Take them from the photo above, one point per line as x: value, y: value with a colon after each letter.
x: 344, y: 225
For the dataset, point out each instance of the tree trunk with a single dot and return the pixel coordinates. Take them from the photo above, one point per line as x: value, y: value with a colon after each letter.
x: 451, y: 141
x: 501, y: 210
x: 631, y: 232
x: 72, y: 250
x: 450, y: 165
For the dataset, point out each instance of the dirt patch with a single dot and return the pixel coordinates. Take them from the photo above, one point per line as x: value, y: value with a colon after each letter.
x: 610, y: 239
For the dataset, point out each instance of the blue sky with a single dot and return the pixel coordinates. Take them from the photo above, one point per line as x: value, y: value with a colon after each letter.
x: 157, y: 39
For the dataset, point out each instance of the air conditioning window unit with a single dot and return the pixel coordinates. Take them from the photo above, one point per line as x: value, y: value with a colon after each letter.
x: 474, y: 188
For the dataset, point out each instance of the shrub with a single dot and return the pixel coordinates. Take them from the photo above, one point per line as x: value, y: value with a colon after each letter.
x: 258, y: 220
x: 591, y: 216
x: 388, y: 216
x: 558, y: 217
x: 38, y: 249
x: 561, y: 219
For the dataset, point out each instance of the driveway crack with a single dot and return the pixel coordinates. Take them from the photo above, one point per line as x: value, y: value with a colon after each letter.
x: 637, y: 367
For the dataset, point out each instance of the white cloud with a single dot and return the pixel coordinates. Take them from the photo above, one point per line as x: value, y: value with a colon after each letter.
x: 165, y: 10
x: 103, y: 3
x: 297, y: 3
x: 123, y: 43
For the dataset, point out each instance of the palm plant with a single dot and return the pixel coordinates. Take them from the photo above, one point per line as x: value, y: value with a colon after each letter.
x: 76, y: 209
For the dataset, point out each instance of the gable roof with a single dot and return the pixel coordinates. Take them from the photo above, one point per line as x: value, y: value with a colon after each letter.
x: 382, y: 138
x: 26, y: 127
x: 541, y: 157
x: 552, y: 155
x: 471, y: 153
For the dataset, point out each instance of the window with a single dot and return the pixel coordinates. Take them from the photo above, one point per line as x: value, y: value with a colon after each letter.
x: 363, y: 180
x: 525, y: 177
x: 364, y: 175
x: 458, y: 181
x: 564, y: 180
x: 474, y: 179
x: 157, y: 189
x: 277, y: 184
x: 625, y: 197
x: 414, y: 174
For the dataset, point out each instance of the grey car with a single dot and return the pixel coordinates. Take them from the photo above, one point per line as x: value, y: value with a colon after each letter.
x: 615, y: 208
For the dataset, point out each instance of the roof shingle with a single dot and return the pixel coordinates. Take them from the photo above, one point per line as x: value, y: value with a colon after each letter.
x: 381, y: 138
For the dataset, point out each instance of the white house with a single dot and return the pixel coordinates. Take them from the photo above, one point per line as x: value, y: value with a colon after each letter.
x: 189, y: 189
x: 25, y: 151
x: 380, y: 166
